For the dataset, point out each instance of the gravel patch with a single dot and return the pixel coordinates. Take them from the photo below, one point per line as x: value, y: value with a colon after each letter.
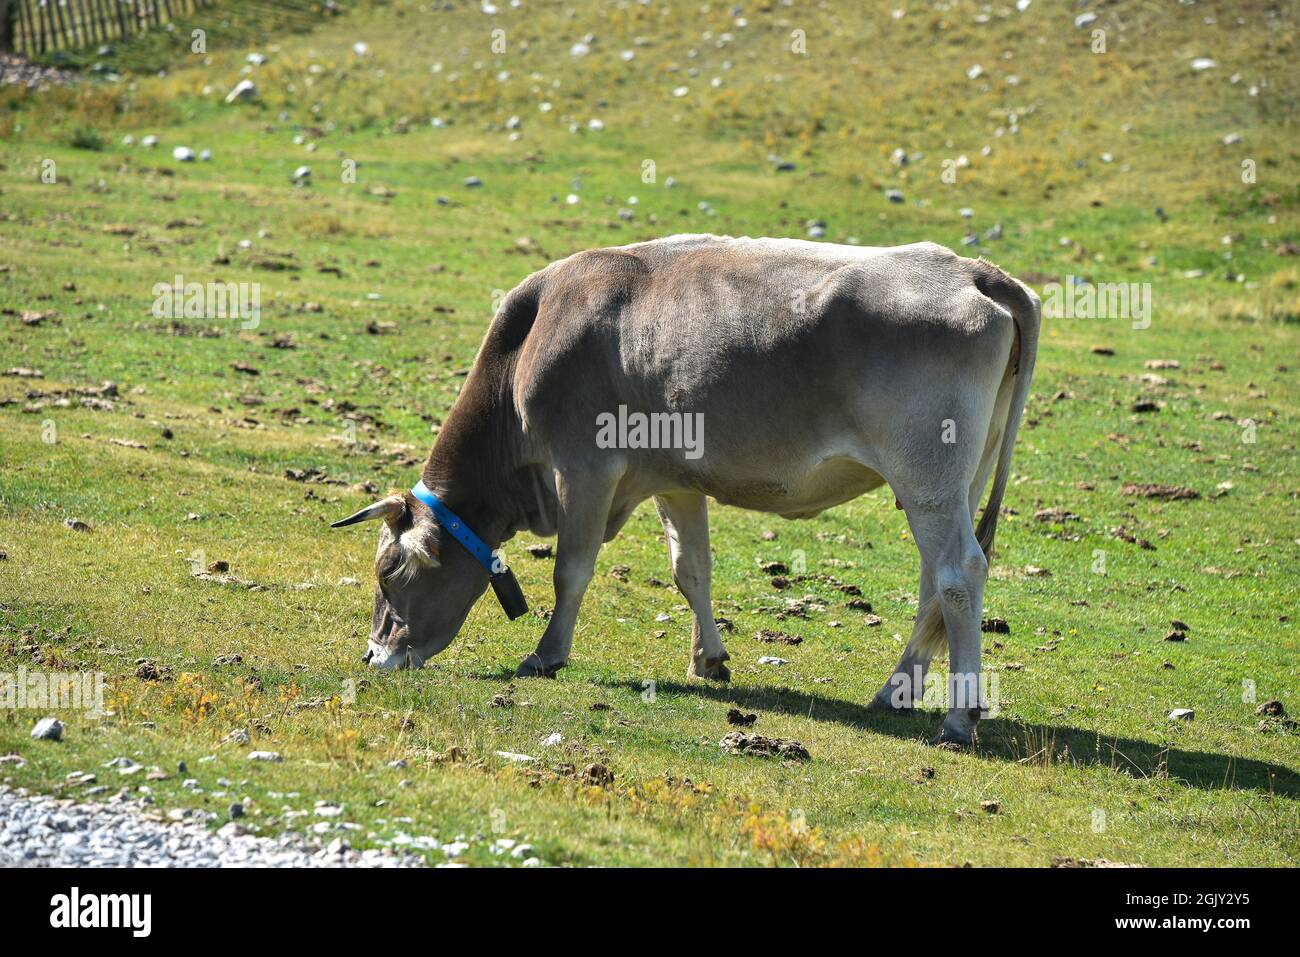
x: 42, y: 831
x: 16, y: 70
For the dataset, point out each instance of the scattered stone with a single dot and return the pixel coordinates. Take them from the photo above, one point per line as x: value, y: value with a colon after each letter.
x: 540, y: 550
x: 45, y: 831
x: 1182, y: 714
x: 1271, y: 709
x: 771, y: 660
x: 597, y: 775
x: 991, y: 807
x: 76, y: 524
x: 243, y: 90
x: 269, y: 756
x: 48, y: 729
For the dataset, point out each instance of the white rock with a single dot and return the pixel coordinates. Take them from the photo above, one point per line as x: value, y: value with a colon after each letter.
x: 301, y: 175
x: 771, y: 660
x: 48, y: 729
x: 579, y: 49
x: 513, y: 756
x: 552, y: 739
x: 257, y: 59
x: 272, y: 756
x: 1203, y: 63
x: 183, y: 154
x: 361, y: 48
x: 205, y: 155
x: 1083, y: 19
x: 1182, y: 714
x: 243, y: 90
x: 149, y: 141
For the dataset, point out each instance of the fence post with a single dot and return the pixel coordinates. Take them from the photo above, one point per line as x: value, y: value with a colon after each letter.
x: 8, y: 18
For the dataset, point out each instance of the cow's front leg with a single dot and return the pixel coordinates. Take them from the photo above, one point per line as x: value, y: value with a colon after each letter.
x: 584, y: 503
x: 685, y: 517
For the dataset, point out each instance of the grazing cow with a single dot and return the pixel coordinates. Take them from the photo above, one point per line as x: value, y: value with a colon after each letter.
x: 791, y: 376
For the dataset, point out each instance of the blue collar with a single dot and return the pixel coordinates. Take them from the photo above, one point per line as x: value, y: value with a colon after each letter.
x: 459, y: 530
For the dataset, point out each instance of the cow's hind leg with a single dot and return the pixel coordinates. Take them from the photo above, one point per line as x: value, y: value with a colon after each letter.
x: 685, y: 517
x: 906, y: 686
x: 584, y: 499
x: 948, y: 545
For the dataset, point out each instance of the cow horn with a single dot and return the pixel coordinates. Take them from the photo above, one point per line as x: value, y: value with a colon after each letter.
x: 389, y: 509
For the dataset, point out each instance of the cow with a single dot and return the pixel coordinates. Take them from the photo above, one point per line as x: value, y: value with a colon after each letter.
x: 815, y: 372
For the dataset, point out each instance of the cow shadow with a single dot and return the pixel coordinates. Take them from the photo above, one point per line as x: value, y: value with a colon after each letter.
x: 1005, y: 739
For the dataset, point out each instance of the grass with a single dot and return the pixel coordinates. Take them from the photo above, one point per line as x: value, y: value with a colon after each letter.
x: 1082, y: 759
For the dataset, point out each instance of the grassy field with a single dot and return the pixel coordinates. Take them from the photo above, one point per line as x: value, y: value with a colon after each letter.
x: 1117, y: 166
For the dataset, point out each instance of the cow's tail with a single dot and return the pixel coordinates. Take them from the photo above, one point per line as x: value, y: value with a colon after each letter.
x: 928, y: 635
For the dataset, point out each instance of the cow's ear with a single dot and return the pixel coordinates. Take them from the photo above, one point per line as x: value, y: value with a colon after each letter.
x: 390, y: 509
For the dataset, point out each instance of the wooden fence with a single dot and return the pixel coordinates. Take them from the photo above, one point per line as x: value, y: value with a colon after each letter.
x: 39, y: 26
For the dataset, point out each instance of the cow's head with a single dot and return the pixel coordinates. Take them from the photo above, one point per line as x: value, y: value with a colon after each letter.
x: 426, y: 583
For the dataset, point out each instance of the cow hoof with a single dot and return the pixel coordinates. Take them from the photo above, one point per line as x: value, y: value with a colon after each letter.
x: 709, y: 669
x: 884, y: 702
x: 952, y: 741
x: 531, y: 667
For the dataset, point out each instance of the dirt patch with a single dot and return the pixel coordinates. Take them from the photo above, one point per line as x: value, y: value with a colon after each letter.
x: 1088, y: 862
x: 739, y: 718
x: 738, y: 742
x: 1168, y: 493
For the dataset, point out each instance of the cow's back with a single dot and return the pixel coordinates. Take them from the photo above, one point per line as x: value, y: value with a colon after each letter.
x: 758, y: 333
